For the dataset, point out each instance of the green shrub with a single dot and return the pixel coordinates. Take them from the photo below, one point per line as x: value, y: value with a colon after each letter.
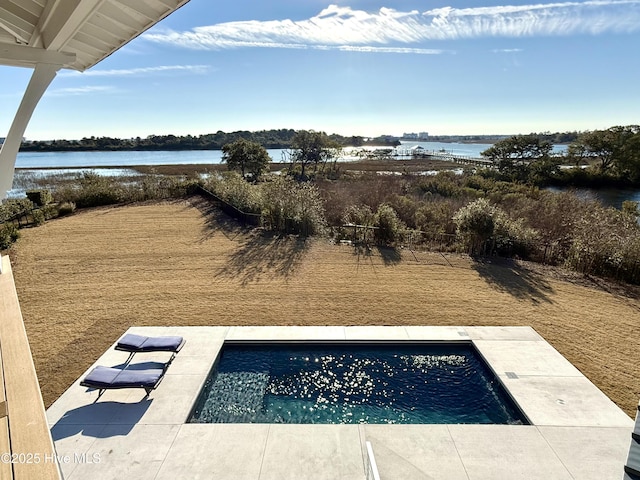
x: 585, y: 177
x: 487, y: 228
x: 436, y: 217
x: 176, y: 188
x: 155, y: 187
x: 38, y: 217
x: 475, y: 223
x: 478, y: 182
x: 50, y: 211
x: 405, y: 207
x: 390, y: 227
x: 292, y: 207
x: 148, y: 188
x: 95, y: 197
x: 66, y: 208
x: 9, y: 233
x: 92, y: 190
x: 555, y: 215
x: 10, y: 208
x: 232, y: 188
x: 40, y: 198
x: 513, y: 237
x: 606, y: 242
x: 442, y: 185
x: 359, y: 215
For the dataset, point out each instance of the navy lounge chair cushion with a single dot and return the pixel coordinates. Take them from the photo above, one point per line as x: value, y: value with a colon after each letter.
x: 140, y: 343
x: 632, y: 466
x: 105, y: 378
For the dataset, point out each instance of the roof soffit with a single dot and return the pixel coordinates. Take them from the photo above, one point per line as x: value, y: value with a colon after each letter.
x: 90, y: 30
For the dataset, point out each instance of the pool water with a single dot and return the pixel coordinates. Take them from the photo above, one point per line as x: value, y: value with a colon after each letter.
x: 344, y: 384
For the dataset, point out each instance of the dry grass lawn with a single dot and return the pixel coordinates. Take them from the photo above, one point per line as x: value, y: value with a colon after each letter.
x: 85, y: 279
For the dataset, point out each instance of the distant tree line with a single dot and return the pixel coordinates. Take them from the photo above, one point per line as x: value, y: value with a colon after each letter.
x: 270, y: 139
x: 554, y: 138
x: 600, y: 157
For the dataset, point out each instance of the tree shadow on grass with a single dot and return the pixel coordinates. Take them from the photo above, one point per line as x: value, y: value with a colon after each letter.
x: 259, y: 254
x: 390, y: 256
x: 264, y: 254
x: 216, y: 220
x: 365, y: 253
x: 507, y: 276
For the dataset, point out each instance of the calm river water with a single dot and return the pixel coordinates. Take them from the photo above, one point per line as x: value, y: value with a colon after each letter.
x: 610, y: 197
x: 34, y: 161
x: 122, y: 159
x: 182, y: 157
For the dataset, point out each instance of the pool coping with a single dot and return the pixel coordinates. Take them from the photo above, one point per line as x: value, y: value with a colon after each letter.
x: 576, y: 431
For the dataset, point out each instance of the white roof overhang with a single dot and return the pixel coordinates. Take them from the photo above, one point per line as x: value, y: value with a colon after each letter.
x: 76, y: 33
x: 48, y: 35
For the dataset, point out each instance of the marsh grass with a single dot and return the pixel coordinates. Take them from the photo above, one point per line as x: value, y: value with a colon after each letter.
x: 530, y: 223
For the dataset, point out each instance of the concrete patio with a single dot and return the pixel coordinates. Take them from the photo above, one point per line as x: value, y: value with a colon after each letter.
x: 576, y: 431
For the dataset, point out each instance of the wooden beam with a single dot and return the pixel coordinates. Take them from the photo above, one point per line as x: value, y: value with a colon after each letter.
x: 12, y: 28
x: 45, y: 15
x: 5, y: 467
x: 25, y: 56
x: 63, y: 22
x: 28, y: 427
x: 5, y: 446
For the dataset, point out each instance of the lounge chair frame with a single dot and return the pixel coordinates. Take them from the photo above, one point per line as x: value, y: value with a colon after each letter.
x: 101, y: 387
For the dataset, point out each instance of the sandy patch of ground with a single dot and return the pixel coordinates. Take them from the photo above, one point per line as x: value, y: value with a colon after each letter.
x: 83, y: 280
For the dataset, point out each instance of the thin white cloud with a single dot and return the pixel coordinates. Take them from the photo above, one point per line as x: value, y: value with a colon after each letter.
x: 340, y: 28
x: 74, y: 91
x: 346, y: 48
x: 507, y: 50
x: 369, y: 49
x: 197, y: 69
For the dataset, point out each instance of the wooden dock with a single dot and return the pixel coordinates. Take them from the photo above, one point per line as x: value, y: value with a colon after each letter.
x: 443, y: 156
x: 26, y: 447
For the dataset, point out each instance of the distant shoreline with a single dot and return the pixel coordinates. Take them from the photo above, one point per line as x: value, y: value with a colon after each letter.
x: 365, y: 165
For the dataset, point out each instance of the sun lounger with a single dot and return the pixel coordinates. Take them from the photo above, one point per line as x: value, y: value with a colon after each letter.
x: 632, y: 467
x: 107, y: 378
x: 140, y: 343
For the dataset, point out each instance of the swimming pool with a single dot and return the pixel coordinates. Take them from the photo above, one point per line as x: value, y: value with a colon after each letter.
x: 353, y: 383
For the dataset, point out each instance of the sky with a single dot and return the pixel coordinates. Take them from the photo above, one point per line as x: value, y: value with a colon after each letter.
x: 354, y: 67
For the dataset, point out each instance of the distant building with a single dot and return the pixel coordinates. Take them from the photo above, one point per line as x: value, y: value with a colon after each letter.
x: 415, y: 136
